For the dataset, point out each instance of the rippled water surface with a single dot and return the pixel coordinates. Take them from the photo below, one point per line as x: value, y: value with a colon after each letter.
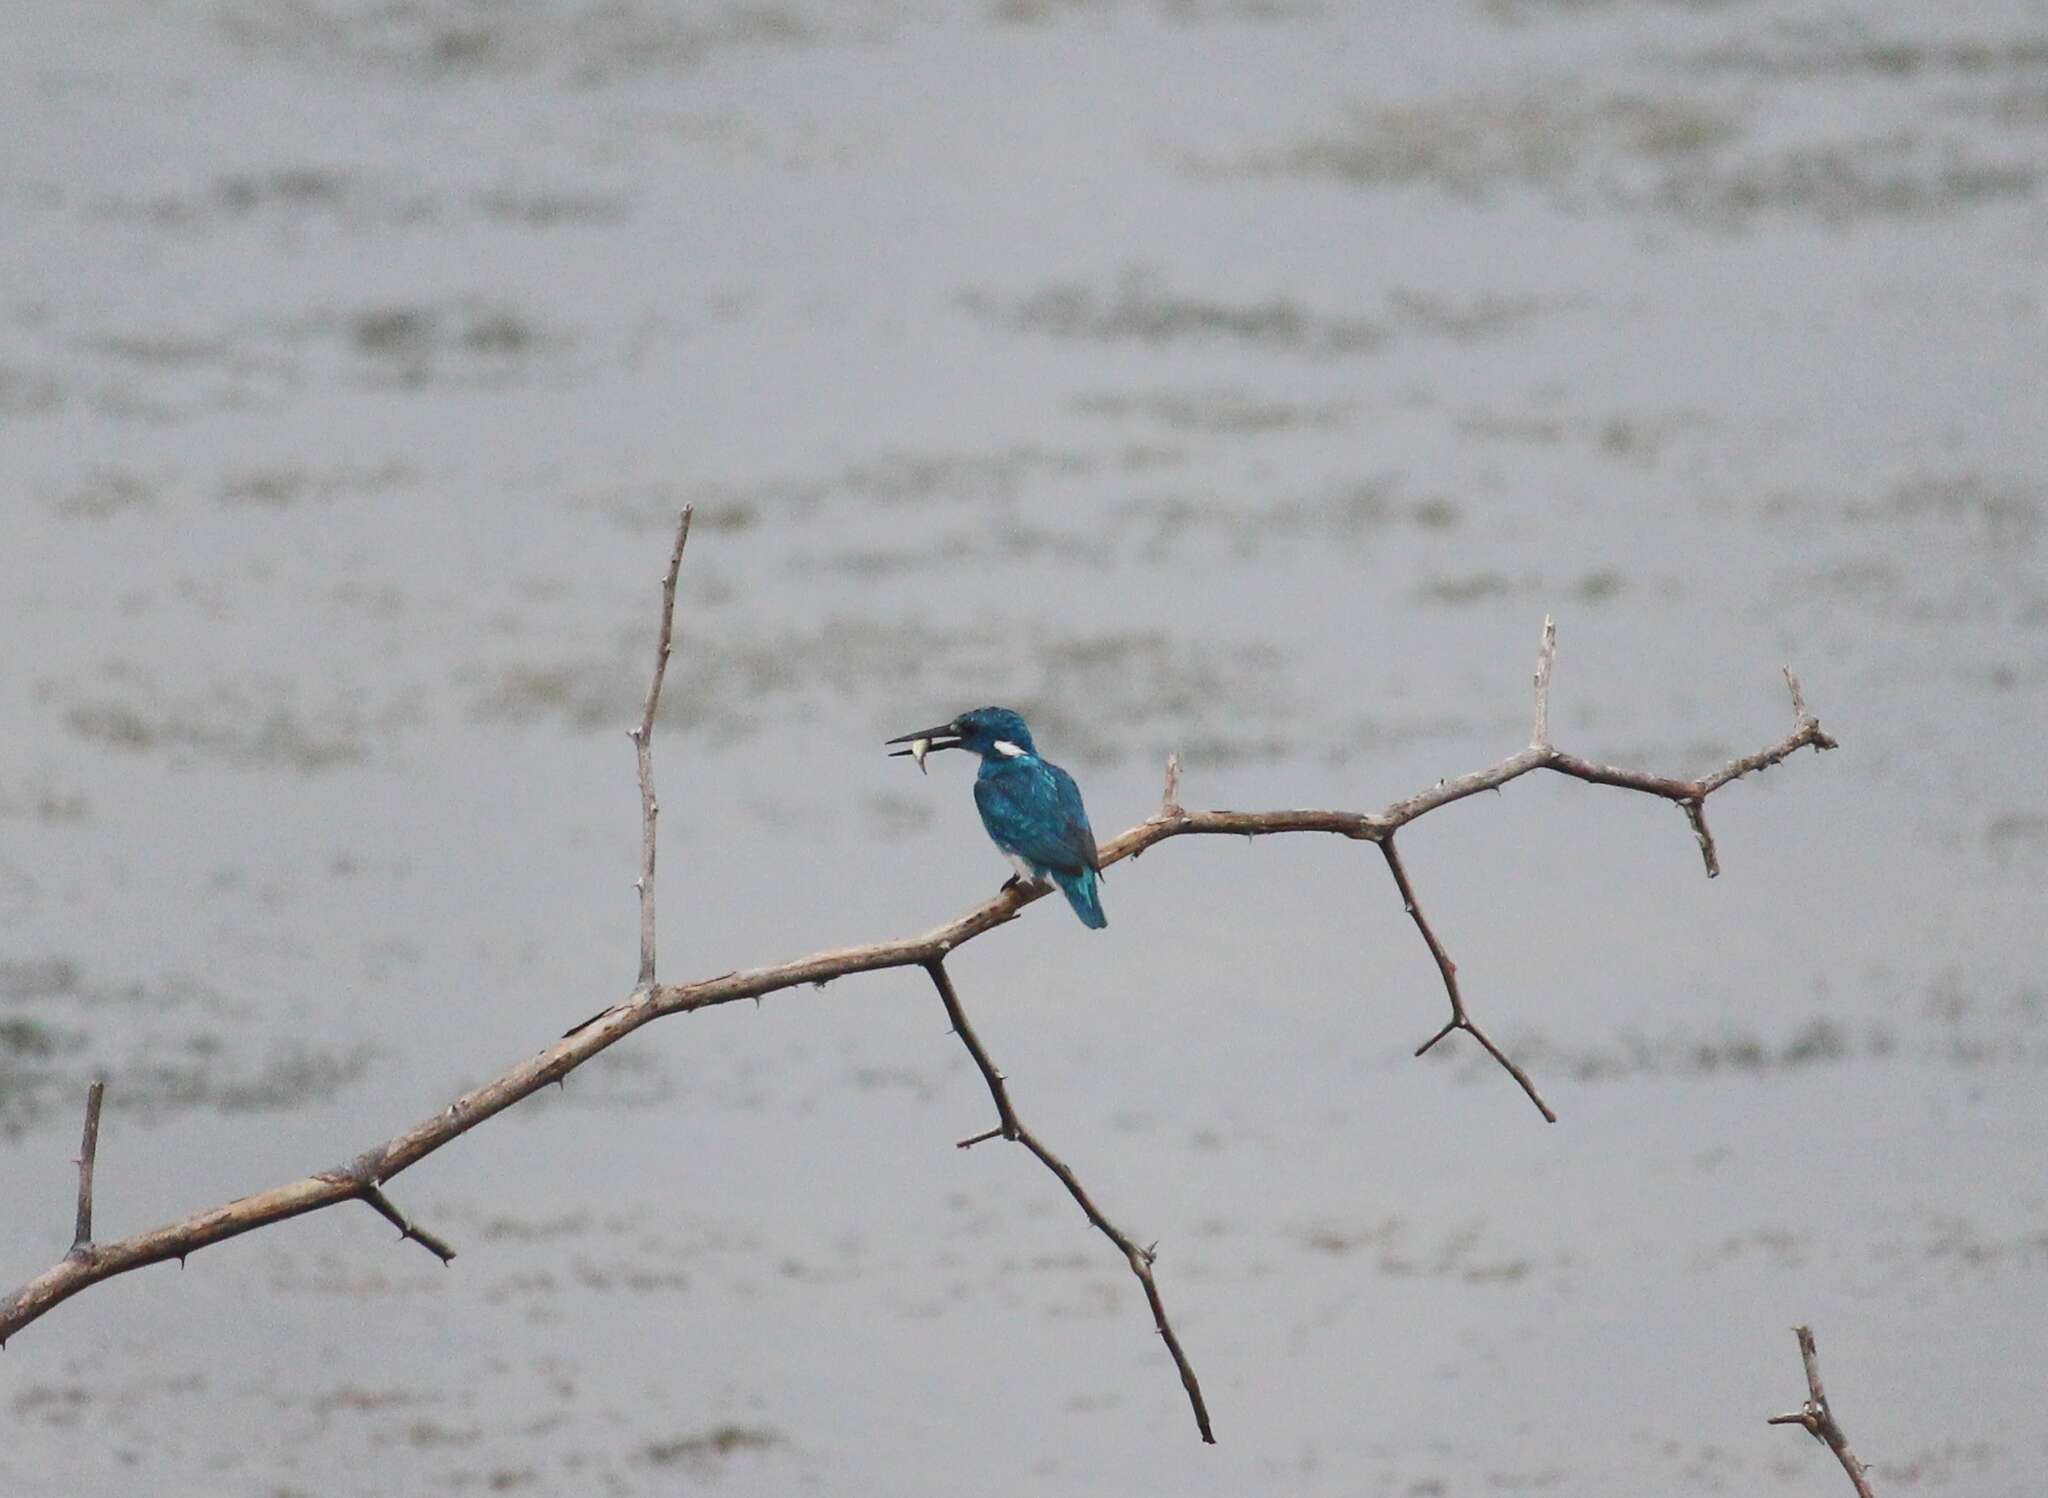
x: 1241, y: 379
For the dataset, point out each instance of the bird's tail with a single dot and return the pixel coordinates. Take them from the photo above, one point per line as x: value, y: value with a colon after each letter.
x: 1085, y: 895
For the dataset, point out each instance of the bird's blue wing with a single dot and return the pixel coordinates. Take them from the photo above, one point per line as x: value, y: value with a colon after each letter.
x: 1034, y: 810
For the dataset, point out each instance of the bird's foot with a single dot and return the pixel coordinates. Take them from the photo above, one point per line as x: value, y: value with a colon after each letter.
x: 1010, y: 883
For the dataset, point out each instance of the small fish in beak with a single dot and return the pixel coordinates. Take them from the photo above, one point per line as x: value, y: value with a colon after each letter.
x: 923, y: 742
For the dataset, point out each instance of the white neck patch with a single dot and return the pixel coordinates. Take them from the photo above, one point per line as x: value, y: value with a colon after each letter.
x: 1007, y: 749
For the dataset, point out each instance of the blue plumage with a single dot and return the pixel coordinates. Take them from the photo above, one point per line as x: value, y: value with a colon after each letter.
x: 1031, y: 807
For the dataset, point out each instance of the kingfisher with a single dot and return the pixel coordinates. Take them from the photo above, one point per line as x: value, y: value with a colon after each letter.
x: 1030, y: 806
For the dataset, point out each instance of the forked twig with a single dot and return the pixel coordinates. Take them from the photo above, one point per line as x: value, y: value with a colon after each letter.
x: 1690, y: 795
x: 1459, y: 1019
x: 1012, y: 1127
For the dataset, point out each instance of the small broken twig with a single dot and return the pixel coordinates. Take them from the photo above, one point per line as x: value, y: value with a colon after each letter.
x: 1696, y: 816
x: 1800, y: 716
x: 1169, y: 799
x: 1546, y: 659
x: 1815, y: 1416
x: 431, y: 1242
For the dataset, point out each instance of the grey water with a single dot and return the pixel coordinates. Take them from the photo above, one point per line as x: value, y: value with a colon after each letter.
x: 1243, y: 379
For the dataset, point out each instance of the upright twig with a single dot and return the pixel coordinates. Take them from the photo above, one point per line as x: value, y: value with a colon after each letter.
x: 1169, y: 799
x: 1800, y: 715
x: 1815, y: 1416
x: 1010, y: 1126
x: 88, y: 1152
x: 1546, y: 659
x: 643, y: 746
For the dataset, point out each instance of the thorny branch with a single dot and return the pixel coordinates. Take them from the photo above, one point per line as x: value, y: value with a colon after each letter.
x: 1815, y: 1415
x: 1012, y: 1127
x: 364, y: 1178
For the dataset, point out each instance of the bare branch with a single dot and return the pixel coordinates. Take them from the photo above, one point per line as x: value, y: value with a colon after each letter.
x: 1546, y: 657
x: 1459, y: 1019
x: 88, y: 1151
x: 1815, y: 1415
x: 432, y: 1243
x: 1012, y: 1127
x: 643, y: 744
x: 652, y: 1001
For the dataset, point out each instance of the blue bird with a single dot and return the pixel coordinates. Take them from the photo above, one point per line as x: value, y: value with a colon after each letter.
x: 1030, y: 806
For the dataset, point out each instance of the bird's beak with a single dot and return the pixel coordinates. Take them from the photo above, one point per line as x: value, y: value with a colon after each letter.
x: 924, y: 741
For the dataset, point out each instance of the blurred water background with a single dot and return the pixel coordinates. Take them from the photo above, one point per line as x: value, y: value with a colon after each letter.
x: 1246, y: 379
